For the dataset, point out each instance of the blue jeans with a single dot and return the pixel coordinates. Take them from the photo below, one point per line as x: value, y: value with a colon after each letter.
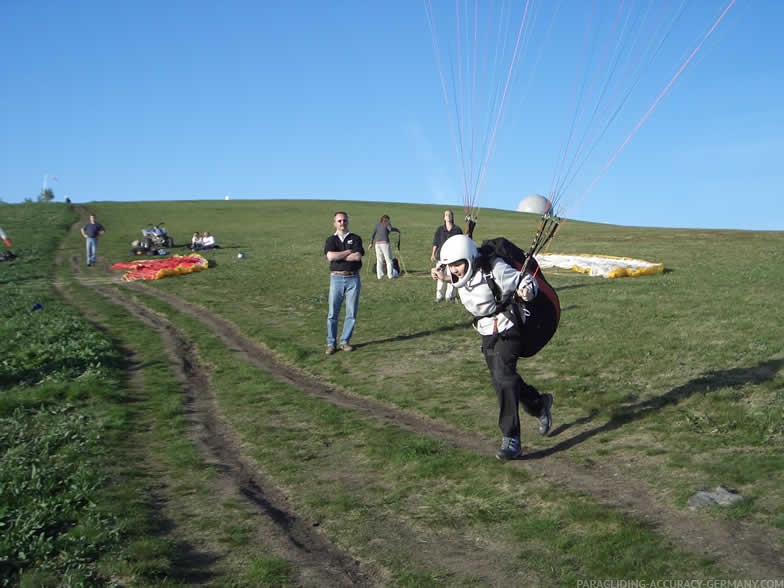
x: 342, y: 288
x: 92, y: 245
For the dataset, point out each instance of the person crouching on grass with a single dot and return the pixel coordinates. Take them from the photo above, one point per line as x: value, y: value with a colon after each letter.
x: 502, y: 341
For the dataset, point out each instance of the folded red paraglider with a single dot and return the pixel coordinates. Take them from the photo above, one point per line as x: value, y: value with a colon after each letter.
x: 5, y: 238
x: 155, y: 269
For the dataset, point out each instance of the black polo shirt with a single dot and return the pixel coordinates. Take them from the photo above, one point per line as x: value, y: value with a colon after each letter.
x: 352, y: 242
x: 93, y: 229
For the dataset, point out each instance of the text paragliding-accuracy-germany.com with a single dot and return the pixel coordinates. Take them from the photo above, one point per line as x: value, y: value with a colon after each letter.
x: 677, y: 583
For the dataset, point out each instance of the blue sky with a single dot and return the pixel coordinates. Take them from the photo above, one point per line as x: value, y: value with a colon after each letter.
x: 185, y: 99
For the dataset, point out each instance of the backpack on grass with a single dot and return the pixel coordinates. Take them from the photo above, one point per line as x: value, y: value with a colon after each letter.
x: 538, y: 319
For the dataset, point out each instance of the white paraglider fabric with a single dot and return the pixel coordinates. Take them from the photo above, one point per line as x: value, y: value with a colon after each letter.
x: 536, y: 204
x: 600, y: 265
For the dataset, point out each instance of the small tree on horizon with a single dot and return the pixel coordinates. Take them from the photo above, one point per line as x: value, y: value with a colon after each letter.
x: 46, y: 195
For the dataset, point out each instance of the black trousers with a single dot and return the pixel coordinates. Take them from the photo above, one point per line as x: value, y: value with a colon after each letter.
x: 501, y: 353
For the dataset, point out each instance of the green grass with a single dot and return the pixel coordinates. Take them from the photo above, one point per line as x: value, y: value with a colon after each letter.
x: 678, y: 374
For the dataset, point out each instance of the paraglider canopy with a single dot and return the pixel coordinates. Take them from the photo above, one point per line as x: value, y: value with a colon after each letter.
x: 5, y: 238
x: 536, y: 204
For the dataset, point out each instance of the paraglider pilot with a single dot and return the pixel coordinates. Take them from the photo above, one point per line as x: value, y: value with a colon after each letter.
x: 502, y: 340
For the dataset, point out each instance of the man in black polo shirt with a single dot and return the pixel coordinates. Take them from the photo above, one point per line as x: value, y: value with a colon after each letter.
x: 344, y: 252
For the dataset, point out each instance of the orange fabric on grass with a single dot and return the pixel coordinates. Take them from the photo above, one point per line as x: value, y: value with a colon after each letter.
x: 155, y: 269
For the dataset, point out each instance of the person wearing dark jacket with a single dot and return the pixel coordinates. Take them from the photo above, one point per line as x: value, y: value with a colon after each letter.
x: 91, y: 231
x: 444, y: 290
x: 344, y: 252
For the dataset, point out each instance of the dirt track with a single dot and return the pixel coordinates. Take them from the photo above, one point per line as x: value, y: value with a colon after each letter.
x: 743, y: 549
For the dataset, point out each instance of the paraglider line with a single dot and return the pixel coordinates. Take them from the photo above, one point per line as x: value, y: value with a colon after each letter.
x: 656, y: 102
x: 503, y: 98
x: 452, y: 122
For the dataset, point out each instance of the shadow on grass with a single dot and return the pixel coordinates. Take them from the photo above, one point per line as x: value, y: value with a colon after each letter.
x: 187, y: 564
x: 706, y: 383
x: 444, y: 329
x: 575, y: 286
x: 447, y: 328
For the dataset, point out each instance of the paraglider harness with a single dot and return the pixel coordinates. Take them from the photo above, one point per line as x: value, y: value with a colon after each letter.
x: 536, y: 320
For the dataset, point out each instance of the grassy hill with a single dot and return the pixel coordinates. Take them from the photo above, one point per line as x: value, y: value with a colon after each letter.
x: 211, y: 441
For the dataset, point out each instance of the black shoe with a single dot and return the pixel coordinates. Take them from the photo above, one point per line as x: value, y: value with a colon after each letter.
x: 545, y: 418
x: 510, y: 449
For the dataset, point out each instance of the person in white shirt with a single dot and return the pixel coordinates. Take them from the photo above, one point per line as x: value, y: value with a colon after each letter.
x: 207, y: 241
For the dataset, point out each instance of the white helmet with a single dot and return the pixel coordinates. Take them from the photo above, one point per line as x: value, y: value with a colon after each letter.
x: 458, y: 248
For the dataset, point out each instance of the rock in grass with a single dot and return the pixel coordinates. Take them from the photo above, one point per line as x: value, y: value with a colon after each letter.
x: 718, y: 496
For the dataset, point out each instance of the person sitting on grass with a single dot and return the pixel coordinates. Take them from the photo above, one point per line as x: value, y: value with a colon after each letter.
x: 195, y: 241
x: 207, y: 242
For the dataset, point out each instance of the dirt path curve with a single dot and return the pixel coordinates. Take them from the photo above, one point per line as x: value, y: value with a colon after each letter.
x: 317, y: 562
x: 743, y: 548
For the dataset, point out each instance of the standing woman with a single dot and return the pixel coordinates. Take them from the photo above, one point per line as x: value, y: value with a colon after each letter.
x: 380, y: 236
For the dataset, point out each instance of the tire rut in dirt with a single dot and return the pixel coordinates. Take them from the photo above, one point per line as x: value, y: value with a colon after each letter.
x: 317, y: 561
x: 735, y: 546
x: 190, y: 564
